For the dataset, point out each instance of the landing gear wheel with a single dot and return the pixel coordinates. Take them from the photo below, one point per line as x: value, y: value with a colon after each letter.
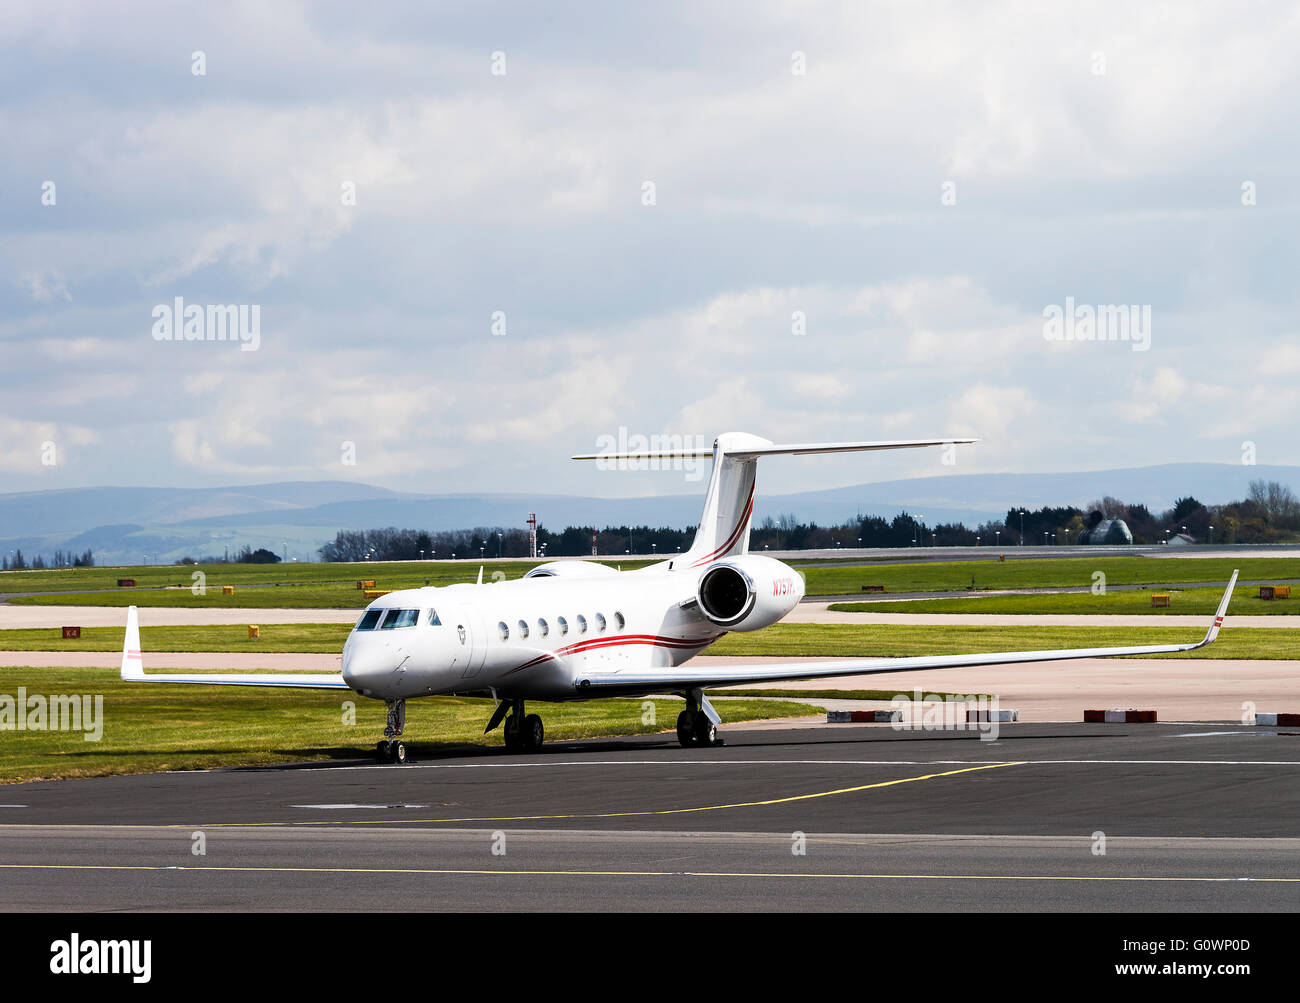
x: 686, y: 729
x: 381, y: 751
x: 399, y: 752
x: 706, y: 732
x: 532, y: 733
x: 512, y: 735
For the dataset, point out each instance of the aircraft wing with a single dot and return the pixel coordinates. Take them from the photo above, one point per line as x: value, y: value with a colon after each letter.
x: 133, y: 669
x: 614, y: 683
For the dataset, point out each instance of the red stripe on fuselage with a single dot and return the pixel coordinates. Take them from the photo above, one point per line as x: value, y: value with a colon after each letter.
x: 581, y: 647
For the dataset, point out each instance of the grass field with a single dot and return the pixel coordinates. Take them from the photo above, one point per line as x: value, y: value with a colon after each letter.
x: 150, y: 728
x: 333, y: 586
x: 1044, y: 573
x: 1182, y: 602
x: 782, y: 640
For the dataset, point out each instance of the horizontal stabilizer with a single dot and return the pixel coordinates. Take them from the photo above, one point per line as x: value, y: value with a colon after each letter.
x: 775, y: 449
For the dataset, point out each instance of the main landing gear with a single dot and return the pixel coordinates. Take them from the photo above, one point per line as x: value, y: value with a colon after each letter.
x: 523, y: 732
x: 698, y: 724
x: 391, y: 749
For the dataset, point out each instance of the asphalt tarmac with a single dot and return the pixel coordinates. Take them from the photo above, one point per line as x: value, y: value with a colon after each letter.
x: 1190, y: 817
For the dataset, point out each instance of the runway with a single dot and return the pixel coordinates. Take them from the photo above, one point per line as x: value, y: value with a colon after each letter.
x: 1194, y: 817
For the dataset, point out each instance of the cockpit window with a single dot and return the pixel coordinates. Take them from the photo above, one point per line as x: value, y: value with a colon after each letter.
x: 400, y: 618
x: 433, y: 618
x: 369, y: 619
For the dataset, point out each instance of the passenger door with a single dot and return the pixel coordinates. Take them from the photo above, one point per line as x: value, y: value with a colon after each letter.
x: 472, y: 641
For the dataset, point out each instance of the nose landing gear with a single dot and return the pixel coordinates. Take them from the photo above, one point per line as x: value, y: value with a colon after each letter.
x: 391, y: 749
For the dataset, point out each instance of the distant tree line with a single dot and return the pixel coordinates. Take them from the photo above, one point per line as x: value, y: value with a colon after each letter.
x: 61, y: 559
x: 1270, y: 514
x: 246, y: 556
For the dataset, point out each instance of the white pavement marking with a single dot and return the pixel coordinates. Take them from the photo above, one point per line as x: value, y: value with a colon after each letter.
x: 333, y: 807
x: 835, y: 762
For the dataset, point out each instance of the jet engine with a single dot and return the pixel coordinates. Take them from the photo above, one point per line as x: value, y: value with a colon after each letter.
x: 748, y: 592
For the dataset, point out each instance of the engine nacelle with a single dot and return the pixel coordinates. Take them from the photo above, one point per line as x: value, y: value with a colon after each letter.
x: 748, y: 592
x: 570, y: 569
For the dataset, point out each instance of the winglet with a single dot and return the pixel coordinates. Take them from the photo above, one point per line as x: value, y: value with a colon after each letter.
x: 132, y: 659
x: 1213, y: 632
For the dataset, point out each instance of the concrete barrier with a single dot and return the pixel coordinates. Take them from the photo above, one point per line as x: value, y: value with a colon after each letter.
x: 1119, y: 717
x: 863, y: 716
x: 1272, y: 719
x: 992, y: 715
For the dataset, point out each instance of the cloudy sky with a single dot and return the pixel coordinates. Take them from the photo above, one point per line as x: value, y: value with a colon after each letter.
x: 647, y: 201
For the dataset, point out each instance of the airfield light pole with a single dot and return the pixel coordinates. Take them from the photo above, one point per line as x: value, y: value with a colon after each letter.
x: 1211, y: 536
x: 1022, y: 527
x: 997, y: 538
x: 499, y: 539
x: 480, y: 553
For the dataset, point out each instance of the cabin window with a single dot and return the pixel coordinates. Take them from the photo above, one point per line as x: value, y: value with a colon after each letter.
x: 523, y: 628
x: 618, y: 620
x: 505, y: 631
x: 563, y: 624
x: 600, y: 623
x: 433, y: 618
x: 369, y: 619
x: 543, y: 628
x: 582, y: 624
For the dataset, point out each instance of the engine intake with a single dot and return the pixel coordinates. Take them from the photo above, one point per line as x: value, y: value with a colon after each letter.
x: 726, y: 594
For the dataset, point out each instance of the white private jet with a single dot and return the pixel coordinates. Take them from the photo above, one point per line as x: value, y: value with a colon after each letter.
x: 578, y: 630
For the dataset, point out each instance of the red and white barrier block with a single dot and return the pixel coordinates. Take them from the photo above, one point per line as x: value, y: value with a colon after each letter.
x: 863, y: 716
x: 988, y: 714
x: 1119, y: 717
x: 1273, y: 720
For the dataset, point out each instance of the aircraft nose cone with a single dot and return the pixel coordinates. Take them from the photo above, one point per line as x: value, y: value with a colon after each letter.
x: 369, y: 667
